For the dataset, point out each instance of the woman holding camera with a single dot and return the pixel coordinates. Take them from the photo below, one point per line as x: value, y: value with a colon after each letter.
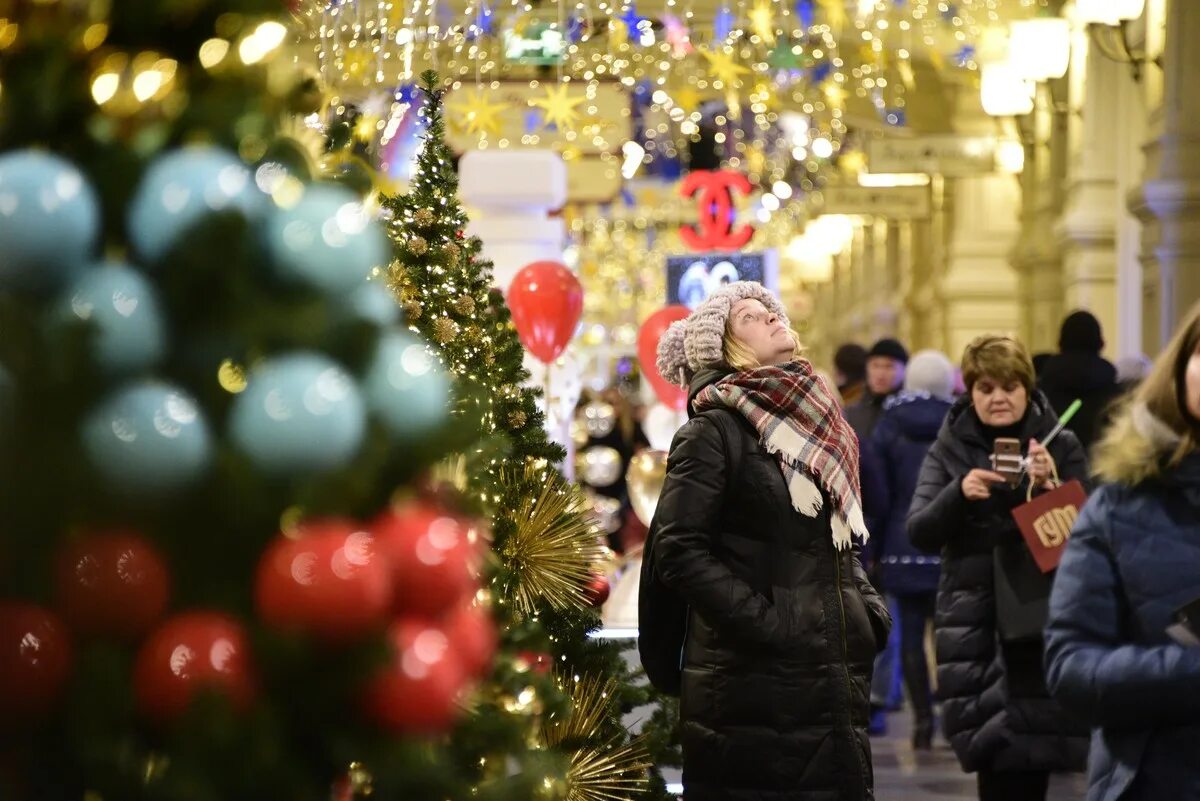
x: 996, y: 711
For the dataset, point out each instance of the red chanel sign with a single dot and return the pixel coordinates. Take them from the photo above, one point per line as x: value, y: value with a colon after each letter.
x: 714, y: 190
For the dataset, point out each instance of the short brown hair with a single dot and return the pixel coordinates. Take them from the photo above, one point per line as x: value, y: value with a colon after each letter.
x: 1001, y: 358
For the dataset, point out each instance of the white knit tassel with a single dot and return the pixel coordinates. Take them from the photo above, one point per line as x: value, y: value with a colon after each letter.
x: 806, y: 497
x: 841, y: 532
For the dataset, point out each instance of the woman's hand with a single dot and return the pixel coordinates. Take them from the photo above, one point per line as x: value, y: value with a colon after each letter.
x: 1039, y: 464
x: 976, y: 485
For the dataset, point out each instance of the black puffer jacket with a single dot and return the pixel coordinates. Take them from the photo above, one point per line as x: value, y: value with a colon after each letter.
x: 1086, y: 377
x: 782, y: 629
x: 996, y: 711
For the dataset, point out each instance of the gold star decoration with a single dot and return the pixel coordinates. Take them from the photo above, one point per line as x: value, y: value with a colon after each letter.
x: 835, y: 93
x: 686, y: 98
x: 722, y: 67
x: 366, y: 127
x: 558, y: 107
x: 476, y: 113
x: 618, y: 33
x: 762, y: 21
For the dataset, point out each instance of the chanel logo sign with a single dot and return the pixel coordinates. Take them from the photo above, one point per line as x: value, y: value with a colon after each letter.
x: 714, y: 202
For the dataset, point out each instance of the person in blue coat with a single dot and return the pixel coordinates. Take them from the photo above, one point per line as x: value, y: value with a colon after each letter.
x: 891, y: 462
x: 1132, y: 561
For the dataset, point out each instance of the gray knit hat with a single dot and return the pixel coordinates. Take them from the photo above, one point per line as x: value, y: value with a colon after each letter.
x: 694, y: 343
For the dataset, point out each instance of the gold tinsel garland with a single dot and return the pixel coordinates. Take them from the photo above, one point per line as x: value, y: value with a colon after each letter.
x: 464, y: 305
x: 600, y: 771
x: 423, y: 217
x: 554, y: 546
x: 444, y: 330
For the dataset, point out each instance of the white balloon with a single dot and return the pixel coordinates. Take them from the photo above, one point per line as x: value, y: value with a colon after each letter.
x: 660, y: 424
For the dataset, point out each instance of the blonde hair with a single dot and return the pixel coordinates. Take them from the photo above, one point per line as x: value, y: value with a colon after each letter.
x: 999, y: 357
x: 1131, y: 450
x: 738, y: 355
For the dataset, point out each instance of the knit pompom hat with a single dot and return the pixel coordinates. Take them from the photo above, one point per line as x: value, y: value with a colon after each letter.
x: 694, y: 343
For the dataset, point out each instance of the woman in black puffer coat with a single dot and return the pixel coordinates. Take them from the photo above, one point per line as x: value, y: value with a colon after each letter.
x: 996, y: 711
x: 782, y: 625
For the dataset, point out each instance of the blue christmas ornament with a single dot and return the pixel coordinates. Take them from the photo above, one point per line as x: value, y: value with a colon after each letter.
x: 327, y: 241
x: 372, y: 302
x: 183, y: 187
x: 148, y: 439
x: 575, y: 27
x: 805, y: 13
x: 49, y: 221
x: 964, y: 55
x: 722, y: 23
x: 299, y: 414
x: 405, y: 387
x: 123, y: 309
x: 821, y: 71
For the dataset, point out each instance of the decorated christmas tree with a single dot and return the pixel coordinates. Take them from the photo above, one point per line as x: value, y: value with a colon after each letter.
x: 547, y: 576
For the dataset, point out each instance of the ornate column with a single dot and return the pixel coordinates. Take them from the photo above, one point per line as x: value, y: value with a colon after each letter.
x: 1088, y: 228
x: 1171, y: 192
x: 978, y: 287
x: 1037, y: 256
x: 511, y: 193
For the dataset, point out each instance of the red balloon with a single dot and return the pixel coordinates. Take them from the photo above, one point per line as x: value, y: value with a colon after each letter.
x: 648, y: 335
x: 35, y: 660
x: 330, y: 581
x: 598, y: 589
x: 112, y: 583
x: 473, y: 633
x: 187, y: 653
x: 433, y: 561
x: 546, y: 300
x: 418, y: 692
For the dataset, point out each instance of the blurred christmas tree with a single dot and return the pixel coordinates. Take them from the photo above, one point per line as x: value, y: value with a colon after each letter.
x: 215, y: 579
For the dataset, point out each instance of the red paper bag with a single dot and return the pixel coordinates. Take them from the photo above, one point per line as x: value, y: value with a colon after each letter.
x: 1046, y: 522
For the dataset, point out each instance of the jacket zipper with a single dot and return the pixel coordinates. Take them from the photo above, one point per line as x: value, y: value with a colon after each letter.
x: 837, y: 569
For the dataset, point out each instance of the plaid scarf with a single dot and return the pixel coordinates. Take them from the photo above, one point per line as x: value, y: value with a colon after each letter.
x: 798, y: 420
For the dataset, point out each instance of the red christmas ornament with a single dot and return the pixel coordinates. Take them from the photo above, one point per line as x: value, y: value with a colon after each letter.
x: 546, y: 300
x: 473, y: 633
x: 418, y: 692
x: 538, y: 661
x: 329, y: 581
x: 187, y: 653
x: 597, y: 590
x: 35, y: 660
x: 434, y: 563
x: 112, y: 583
x: 716, y: 210
x: 651, y: 331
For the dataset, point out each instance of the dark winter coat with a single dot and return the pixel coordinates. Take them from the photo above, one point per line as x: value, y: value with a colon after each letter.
x: 996, y: 711
x: 782, y: 629
x: 891, y: 462
x: 1087, y: 377
x: 863, y: 415
x: 1133, y: 559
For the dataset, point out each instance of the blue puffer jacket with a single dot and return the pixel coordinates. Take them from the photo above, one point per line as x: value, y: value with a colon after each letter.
x: 1133, y: 558
x: 891, y: 462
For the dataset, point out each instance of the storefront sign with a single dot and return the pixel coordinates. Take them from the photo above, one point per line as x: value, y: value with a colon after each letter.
x: 894, y: 201
x: 713, y: 190
x: 948, y: 155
